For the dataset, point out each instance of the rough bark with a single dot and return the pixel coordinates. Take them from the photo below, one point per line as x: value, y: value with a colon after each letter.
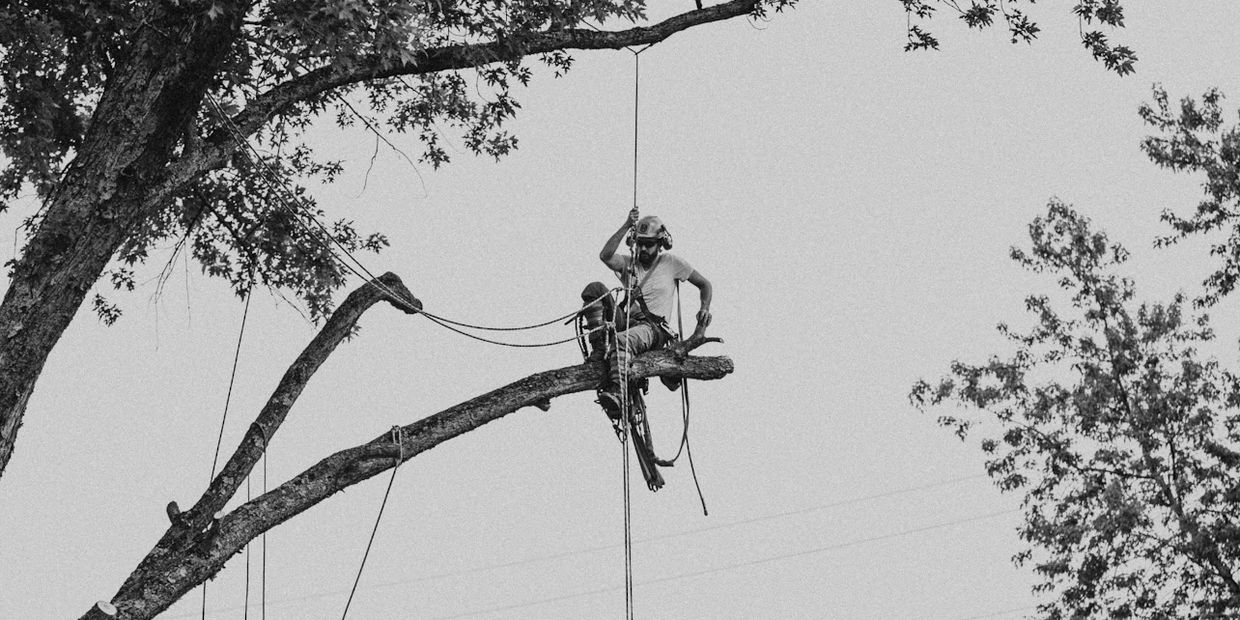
x: 128, y: 165
x: 312, y: 83
x: 195, y: 546
x: 139, y: 119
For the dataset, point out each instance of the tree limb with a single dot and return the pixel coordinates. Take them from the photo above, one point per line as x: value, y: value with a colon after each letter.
x: 214, y: 152
x: 196, y: 546
x: 463, y: 56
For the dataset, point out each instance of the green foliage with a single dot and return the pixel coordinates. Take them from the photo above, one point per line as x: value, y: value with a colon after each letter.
x: 1192, y: 138
x: 981, y: 14
x: 1119, y: 436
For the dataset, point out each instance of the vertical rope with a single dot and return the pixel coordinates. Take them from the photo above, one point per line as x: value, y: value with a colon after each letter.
x: 245, y: 605
x: 232, y: 378
x: 637, y: 71
x: 684, y: 409
x: 626, y: 415
x: 263, y: 579
x: 624, y: 369
x: 628, y: 536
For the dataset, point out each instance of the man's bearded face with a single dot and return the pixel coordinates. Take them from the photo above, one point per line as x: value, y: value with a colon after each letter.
x: 647, y: 249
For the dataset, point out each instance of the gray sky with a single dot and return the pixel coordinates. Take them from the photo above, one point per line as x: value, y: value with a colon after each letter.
x: 853, y: 205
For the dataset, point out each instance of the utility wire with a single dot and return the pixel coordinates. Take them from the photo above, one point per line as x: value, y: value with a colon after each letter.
x: 661, y: 537
x: 734, y: 566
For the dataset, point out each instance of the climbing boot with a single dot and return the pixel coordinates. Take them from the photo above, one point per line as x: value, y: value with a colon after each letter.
x: 596, y: 306
x: 598, y: 346
x: 611, y: 403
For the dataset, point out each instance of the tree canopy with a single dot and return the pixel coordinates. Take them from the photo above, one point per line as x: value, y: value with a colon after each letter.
x: 422, y: 68
x: 1120, y: 436
x: 139, y: 124
x: 1194, y: 139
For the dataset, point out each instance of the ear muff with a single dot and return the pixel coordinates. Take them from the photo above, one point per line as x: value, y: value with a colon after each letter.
x: 646, y: 227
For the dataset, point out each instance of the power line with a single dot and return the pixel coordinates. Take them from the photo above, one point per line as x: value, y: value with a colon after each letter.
x: 598, y: 548
x: 738, y: 565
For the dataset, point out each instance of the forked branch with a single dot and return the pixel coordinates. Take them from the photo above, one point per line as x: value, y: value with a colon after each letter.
x: 196, y: 546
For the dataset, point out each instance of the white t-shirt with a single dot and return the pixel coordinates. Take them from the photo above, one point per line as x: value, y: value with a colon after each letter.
x: 658, y: 284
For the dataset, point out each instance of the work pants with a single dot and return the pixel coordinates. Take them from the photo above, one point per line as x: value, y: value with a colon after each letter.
x: 635, y: 340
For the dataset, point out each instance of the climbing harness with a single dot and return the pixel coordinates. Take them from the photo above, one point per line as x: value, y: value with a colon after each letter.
x: 397, y: 438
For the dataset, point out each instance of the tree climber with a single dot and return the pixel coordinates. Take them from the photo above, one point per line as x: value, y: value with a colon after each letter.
x: 643, y: 325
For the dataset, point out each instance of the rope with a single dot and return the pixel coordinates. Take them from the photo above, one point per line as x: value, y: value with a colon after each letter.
x: 263, y: 574
x: 625, y: 416
x: 397, y: 438
x: 513, y: 344
x: 356, y: 266
x: 232, y: 377
x: 517, y: 329
x: 624, y: 368
x: 263, y: 578
x: 353, y: 264
x: 637, y: 72
x: 684, y: 411
x: 245, y: 604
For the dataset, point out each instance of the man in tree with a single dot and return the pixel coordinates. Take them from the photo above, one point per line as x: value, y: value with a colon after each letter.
x: 642, y: 325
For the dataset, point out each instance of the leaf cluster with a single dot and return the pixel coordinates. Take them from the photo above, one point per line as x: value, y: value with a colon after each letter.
x: 1117, y: 433
x: 56, y: 57
x: 1192, y: 137
x: 1021, y: 28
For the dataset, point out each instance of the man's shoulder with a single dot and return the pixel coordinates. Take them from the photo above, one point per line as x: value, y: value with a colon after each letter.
x: 675, y: 263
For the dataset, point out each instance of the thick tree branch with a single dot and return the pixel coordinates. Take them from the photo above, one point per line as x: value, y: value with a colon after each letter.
x: 214, y: 152
x: 464, y: 56
x: 187, y: 527
x: 341, y: 324
x: 194, y: 549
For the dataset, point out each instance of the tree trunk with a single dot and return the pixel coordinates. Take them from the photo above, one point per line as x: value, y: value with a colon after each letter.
x: 108, y: 189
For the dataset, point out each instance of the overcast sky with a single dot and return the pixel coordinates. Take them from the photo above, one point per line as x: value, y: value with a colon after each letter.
x: 853, y: 205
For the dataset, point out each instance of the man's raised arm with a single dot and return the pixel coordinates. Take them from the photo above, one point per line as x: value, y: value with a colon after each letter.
x: 608, y: 255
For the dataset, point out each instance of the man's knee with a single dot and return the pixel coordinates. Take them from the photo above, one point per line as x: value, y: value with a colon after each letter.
x: 598, y: 297
x: 593, y: 291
